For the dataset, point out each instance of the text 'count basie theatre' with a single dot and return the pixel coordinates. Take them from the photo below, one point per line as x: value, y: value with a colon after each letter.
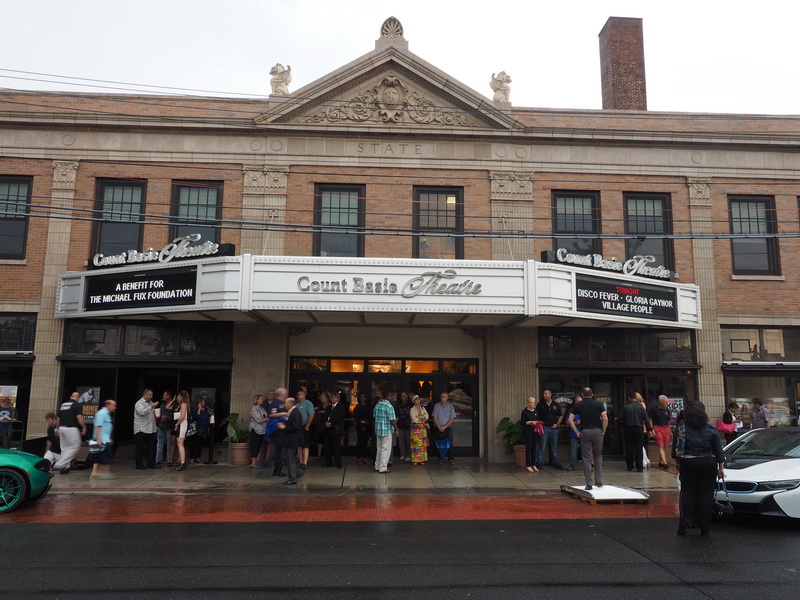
x: 428, y: 283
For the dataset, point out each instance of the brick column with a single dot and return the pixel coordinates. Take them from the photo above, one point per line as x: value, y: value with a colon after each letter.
x: 263, y: 201
x: 512, y: 212
x: 709, y: 342
x: 46, y: 375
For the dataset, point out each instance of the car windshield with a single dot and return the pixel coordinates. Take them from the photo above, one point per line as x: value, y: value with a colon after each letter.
x: 767, y: 442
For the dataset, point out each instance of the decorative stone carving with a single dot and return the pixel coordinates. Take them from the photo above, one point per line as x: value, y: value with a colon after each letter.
x: 391, y: 28
x: 281, y: 78
x: 501, y: 86
x: 64, y: 174
x: 699, y: 191
x: 511, y: 186
x: 391, y: 100
x: 262, y: 180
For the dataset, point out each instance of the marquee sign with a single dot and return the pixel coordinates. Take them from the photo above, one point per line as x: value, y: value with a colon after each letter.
x: 639, y: 265
x: 628, y: 299
x: 141, y: 289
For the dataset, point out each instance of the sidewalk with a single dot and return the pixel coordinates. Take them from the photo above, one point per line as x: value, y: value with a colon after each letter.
x: 467, y: 474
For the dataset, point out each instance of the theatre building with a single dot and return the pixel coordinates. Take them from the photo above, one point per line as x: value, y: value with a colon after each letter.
x: 385, y: 229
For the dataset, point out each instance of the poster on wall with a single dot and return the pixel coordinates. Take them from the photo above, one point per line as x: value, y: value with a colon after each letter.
x: 89, y: 400
x: 8, y: 392
x: 675, y: 406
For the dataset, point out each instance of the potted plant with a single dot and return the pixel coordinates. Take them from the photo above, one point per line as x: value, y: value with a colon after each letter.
x: 238, y: 439
x: 512, y: 436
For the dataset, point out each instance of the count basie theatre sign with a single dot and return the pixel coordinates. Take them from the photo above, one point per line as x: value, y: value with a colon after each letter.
x: 181, y: 248
x: 639, y: 265
x: 429, y: 283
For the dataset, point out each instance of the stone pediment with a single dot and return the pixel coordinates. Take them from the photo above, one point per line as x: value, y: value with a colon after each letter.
x: 389, y: 87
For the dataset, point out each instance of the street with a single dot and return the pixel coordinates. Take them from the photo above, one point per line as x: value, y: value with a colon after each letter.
x: 367, y: 544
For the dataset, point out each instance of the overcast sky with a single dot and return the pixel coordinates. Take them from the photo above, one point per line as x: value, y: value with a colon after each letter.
x: 701, y: 56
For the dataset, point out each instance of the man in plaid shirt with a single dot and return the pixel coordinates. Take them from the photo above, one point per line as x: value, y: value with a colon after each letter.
x: 385, y: 425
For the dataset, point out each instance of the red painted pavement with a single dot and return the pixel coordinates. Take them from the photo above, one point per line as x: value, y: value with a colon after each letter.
x: 298, y: 506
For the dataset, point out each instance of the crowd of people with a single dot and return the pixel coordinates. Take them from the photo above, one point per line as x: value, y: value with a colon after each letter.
x: 286, y: 430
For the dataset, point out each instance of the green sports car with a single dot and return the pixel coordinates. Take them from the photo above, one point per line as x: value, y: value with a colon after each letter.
x: 23, y: 477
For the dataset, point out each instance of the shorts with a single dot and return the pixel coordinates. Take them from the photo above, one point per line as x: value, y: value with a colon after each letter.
x: 305, y: 439
x: 663, y: 435
x: 104, y: 456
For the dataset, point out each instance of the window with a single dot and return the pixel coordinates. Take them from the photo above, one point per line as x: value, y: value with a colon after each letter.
x: 760, y: 344
x: 753, y: 216
x: 121, y: 208
x: 438, y: 223
x: 648, y: 215
x: 196, y: 208
x: 17, y: 333
x: 576, y: 213
x: 339, y: 220
x: 15, y: 197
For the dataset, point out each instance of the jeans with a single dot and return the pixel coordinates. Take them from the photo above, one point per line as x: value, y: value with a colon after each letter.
x: 549, y: 439
x: 574, y: 444
x: 162, y: 445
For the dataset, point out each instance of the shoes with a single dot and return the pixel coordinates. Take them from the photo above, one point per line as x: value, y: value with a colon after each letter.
x: 407, y: 459
x: 181, y: 467
x: 588, y: 487
x: 559, y: 467
x: 386, y: 471
x: 317, y: 458
x: 197, y: 461
x: 535, y: 469
x: 289, y: 483
x: 279, y: 474
x: 64, y: 471
x: 452, y: 462
x: 599, y: 485
x: 326, y: 466
x: 402, y: 458
x: 253, y: 466
x: 441, y: 462
x: 663, y: 465
x: 530, y: 469
x: 639, y: 470
x: 169, y: 464
x: 681, y: 530
x: 154, y: 467
x: 93, y: 476
x: 570, y: 469
x: 158, y: 464
x: 141, y: 468
x: 303, y: 466
x: 629, y: 469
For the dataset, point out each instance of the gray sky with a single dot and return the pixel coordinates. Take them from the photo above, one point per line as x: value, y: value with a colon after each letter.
x: 701, y: 56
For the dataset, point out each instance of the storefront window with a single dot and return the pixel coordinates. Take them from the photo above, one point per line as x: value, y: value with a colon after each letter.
x: 668, y: 346
x: 384, y: 366
x: 761, y: 345
x: 563, y: 345
x: 310, y: 364
x: 347, y: 365
x: 469, y: 367
x: 615, y: 346
x: 422, y: 366
x: 184, y: 339
x: 776, y: 393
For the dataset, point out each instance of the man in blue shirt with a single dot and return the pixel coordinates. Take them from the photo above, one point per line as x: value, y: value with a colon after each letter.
x: 306, y: 409
x: 444, y: 415
x: 102, y: 436
x: 385, y: 425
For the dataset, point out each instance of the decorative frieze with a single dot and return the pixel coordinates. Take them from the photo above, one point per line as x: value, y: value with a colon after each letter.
x: 394, y: 101
x: 64, y: 174
x: 699, y: 191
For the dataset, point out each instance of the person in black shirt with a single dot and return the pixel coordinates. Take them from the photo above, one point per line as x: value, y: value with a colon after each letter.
x: 594, y: 422
x: 71, y: 427
x: 551, y: 417
x: 634, y: 421
x: 531, y: 426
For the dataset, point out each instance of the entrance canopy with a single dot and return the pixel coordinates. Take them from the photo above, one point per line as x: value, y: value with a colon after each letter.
x: 314, y: 290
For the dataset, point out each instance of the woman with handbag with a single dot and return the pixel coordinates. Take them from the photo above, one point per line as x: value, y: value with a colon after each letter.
x: 730, y: 423
x: 700, y: 461
x: 418, y: 432
x: 532, y: 428
x: 182, y: 426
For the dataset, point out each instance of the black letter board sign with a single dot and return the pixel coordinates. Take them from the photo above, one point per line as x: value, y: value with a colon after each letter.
x: 141, y: 289
x: 622, y: 298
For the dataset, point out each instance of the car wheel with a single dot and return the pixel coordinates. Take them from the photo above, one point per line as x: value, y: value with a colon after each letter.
x: 13, y: 489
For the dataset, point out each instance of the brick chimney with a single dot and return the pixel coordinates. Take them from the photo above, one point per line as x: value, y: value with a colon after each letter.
x: 622, y: 64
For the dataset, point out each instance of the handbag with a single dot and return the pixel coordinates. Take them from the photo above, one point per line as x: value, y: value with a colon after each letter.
x: 725, y: 427
x: 191, y: 429
x: 95, y: 448
x: 679, y: 442
x: 722, y: 508
x: 538, y: 428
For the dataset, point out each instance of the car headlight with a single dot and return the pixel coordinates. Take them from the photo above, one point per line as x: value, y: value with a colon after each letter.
x: 771, y: 486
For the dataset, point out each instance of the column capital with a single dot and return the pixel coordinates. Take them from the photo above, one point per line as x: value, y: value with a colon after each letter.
x: 64, y: 174
x: 699, y: 191
x: 509, y: 185
x: 263, y: 179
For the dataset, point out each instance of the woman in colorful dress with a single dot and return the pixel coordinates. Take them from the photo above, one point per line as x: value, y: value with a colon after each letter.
x: 419, y: 432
